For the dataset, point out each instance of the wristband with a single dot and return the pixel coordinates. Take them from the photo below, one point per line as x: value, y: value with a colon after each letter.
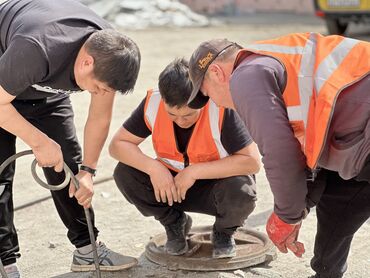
x: 88, y: 169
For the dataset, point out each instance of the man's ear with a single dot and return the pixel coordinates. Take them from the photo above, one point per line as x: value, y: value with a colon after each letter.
x: 88, y: 61
x: 216, y: 73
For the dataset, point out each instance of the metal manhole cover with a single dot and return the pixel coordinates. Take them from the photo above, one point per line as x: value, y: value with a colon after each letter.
x: 252, y: 248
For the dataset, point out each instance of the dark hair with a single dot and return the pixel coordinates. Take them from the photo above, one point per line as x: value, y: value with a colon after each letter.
x: 174, y: 83
x: 116, y: 59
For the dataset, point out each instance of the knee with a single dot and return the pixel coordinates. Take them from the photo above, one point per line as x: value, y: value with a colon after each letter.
x: 129, y: 180
x: 240, y: 191
x: 123, y: 176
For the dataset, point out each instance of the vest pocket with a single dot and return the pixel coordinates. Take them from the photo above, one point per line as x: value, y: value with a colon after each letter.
x: 343, y: 142
x: 348, y: 152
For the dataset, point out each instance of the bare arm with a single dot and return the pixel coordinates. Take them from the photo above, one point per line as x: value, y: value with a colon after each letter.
x: 125, y: 148
x: 95, y: 134
x: 97, y: 127
x: 47, y: 152
x: 244, y: 162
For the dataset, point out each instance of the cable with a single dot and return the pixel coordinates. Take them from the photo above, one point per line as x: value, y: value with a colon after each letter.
x: 68, y: 176
x: 45, y: 198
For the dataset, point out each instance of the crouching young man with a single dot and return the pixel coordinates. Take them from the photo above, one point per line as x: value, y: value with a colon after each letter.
x: 205, y: 159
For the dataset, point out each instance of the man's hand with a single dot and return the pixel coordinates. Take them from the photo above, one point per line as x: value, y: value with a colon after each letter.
x: 86, y: 190
x: 163, y: 184
x: 48, y: 154
x: 183, y: 181
x: 284, y: 235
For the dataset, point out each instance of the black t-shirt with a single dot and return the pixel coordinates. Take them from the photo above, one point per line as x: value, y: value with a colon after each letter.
x: 39, y: 42
x: 234, y: 135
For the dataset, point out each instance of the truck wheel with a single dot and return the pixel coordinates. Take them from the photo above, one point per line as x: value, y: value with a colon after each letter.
x: 335, y: 27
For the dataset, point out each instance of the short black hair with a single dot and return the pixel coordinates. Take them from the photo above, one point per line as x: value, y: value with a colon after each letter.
x: 116, y: 59
x: 174, y: 83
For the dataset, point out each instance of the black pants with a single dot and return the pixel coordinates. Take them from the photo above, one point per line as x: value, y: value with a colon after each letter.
x: 54, y: 117
x: 341, y: 211
x: 231, y: 200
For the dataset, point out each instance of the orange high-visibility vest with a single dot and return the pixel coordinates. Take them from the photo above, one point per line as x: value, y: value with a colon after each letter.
x: 318, y: 69
x: 205, y: 141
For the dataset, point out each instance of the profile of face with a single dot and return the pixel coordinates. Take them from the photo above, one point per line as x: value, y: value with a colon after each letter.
x: 85, y: 79
x: 216, y: 85
x: 184, y: 116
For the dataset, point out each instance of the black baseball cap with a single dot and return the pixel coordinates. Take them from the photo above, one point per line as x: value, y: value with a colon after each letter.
x: 202, y: 57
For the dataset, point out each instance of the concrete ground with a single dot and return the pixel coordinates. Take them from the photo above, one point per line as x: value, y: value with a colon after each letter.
x: 46, y: 252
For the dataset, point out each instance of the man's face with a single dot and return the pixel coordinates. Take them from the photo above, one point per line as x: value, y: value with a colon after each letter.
x: 86, y: 80
x: 184, y: 116
x: 215, y: 91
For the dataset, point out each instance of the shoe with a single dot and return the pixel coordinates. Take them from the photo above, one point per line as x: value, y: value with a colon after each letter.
x: 223, y: 245
x: 176, y: 236
x: 108, y: 259
x: 12, y: 271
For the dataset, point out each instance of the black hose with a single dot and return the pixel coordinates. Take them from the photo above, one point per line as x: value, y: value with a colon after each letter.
x: 68, y: 176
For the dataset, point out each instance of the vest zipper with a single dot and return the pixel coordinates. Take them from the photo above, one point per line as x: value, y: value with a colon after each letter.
x: 186, y: 159
x: 184, y: 154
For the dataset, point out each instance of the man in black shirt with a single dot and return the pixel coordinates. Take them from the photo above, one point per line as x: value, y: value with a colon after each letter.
x: 49, y: 49
x: 203, y: 159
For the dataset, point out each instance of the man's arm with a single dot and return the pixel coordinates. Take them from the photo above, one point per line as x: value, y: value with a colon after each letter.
x: 243, y: 162
x: 125, y: 148
x: 257, y: 95
x: 97, y: 127
x: 46, y: 151
x: 22, y: 64
x: 95, y: 133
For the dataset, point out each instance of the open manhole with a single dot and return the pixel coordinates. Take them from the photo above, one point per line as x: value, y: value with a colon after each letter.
x: 252, y: 248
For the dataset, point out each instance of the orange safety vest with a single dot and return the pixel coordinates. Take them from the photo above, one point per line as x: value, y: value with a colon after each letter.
x: 205, y: 141
x: 318, y: 68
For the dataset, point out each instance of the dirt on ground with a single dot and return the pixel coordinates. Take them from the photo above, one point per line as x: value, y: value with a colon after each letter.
x: 46, y: 251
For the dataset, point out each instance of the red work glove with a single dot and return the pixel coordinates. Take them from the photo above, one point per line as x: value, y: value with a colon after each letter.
x: 284, y: 235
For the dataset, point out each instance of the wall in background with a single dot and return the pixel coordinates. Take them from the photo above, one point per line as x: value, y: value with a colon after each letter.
x: 240, y: 7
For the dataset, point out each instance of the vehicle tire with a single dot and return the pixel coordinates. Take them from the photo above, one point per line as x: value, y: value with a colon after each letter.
x: 335, y: 27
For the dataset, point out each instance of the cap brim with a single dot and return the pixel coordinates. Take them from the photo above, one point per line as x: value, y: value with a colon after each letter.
x: 199, y: 101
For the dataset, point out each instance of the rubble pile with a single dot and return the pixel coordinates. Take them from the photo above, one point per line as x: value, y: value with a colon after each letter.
x: 140, y: 14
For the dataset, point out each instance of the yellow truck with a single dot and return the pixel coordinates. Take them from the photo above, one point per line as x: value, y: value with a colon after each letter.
x: 339, y: 13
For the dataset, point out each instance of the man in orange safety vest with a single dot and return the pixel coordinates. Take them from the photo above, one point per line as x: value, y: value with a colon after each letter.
x: 204, y: 161
x: 305, y: 101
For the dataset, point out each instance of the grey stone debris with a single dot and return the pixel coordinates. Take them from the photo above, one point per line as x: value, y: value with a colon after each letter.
x: 140, y: 14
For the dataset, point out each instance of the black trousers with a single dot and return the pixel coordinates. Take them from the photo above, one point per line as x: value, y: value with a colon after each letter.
x: 230, y: 200
x: 54, y: 117
x: 341, y: 211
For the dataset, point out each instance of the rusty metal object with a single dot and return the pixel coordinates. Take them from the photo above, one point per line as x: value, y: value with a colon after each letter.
x: 252, y: 248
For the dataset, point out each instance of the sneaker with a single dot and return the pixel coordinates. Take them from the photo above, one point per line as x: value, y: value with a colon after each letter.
x: 176, y: 236
x: 108, y: 259
x: 223, y: 245
x: 12, y: 271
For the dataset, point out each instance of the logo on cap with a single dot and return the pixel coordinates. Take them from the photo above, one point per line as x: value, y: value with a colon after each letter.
x: 202, y: 63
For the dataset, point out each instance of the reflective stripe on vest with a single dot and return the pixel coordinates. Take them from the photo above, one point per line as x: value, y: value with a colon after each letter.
x: 214, y: 119
x: 151, y: 109
x: 317, y: 64
x: 176, y: 165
